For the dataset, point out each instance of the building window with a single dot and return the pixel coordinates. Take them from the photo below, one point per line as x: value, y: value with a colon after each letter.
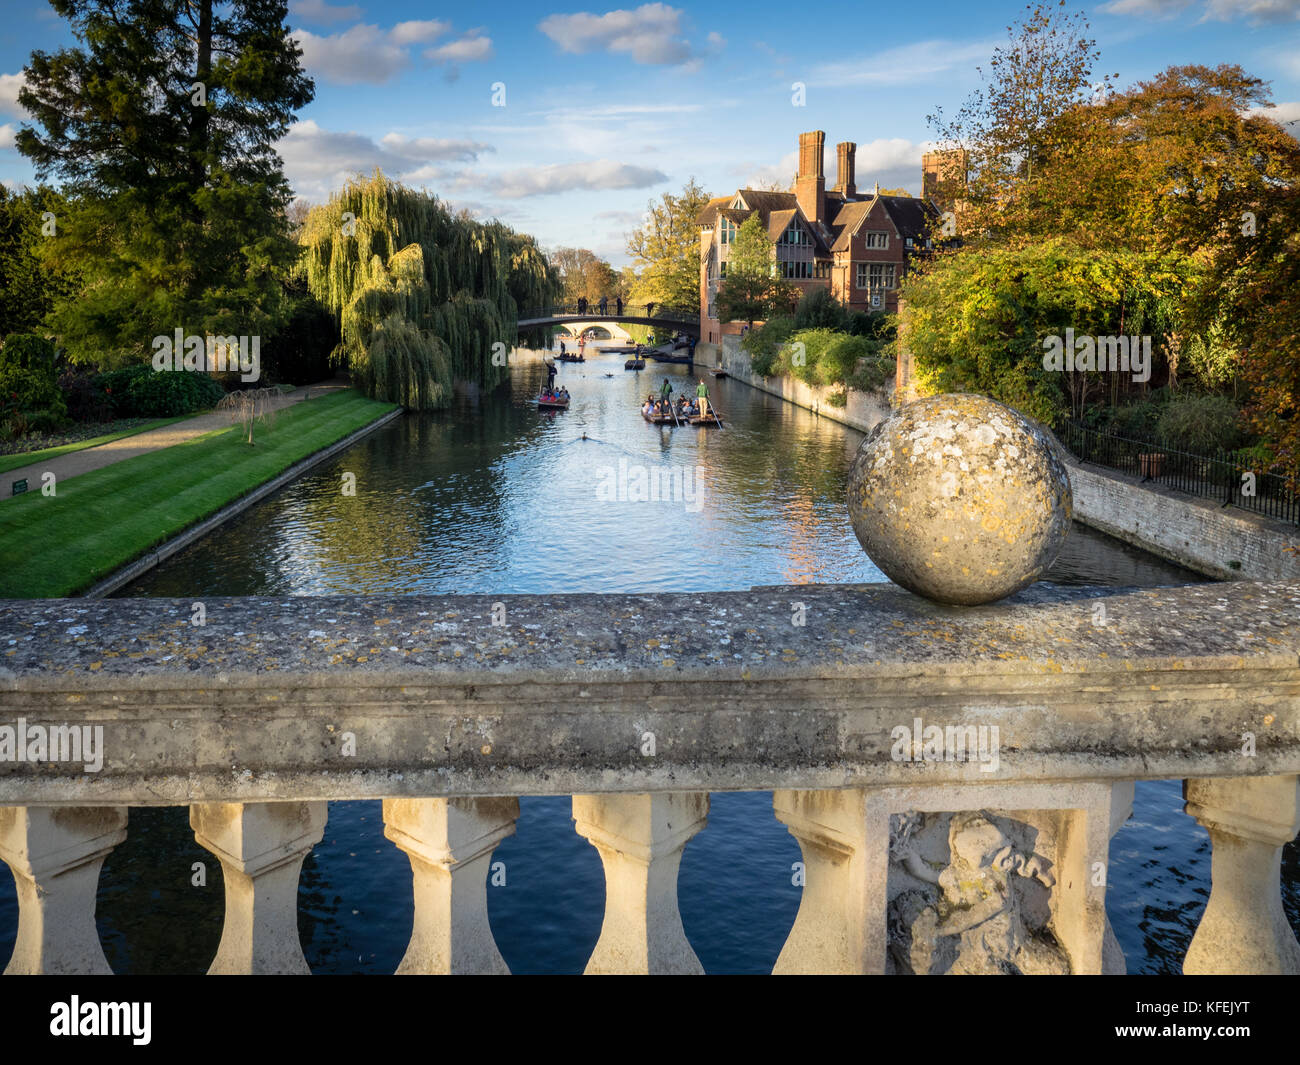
x: 727, y: 231
x: 875, y: 275
x: 796, y: 271
x: 877, y: 238
x: 822, y: 269
x: 722, y: 268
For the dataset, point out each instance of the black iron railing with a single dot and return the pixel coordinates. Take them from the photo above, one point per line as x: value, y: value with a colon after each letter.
x: 1232, y: 477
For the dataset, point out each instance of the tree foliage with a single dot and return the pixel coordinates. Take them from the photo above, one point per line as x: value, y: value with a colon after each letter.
x: 30, y: 284
x: 585, y: 275
x: 666, y: 251
x: 751, y: 291
x: 976, y: 318
x: 162, y: 125
x: 1007, y: 126
x: 423, y: 297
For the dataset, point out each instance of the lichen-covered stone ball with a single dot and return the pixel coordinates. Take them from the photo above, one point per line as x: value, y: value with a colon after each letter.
x: 960, y: 499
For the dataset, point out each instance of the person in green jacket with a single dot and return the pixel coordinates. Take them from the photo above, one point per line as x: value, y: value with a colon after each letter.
x: 703, y: 394
x: 665, y: 390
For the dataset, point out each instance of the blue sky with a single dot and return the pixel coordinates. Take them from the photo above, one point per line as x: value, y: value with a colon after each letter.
x: 606, y: 108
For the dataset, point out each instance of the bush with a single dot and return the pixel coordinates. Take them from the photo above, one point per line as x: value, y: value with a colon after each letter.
x: 28, y: 381
x: 86, y: 401
x: 764, y: 344
x: 142, y: 392
x: 26, y: 351
x: 1201, y: 423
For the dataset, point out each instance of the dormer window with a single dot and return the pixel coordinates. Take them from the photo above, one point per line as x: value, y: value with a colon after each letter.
x: 876, y: 238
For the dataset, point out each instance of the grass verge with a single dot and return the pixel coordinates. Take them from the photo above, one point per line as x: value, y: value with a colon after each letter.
x: 26, y: 458
x: 53, y: 546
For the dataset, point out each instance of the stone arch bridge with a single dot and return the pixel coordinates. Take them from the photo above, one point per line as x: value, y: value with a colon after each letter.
x: 636, y: 314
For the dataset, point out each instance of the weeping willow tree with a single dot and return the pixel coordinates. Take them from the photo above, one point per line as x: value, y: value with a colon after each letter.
x: 421, y: 295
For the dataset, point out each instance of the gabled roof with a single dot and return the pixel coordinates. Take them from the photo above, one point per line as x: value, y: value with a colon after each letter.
x: 708, y: 214
x: 846, y: 222
x: 777, y: 221
x: 910, y: 215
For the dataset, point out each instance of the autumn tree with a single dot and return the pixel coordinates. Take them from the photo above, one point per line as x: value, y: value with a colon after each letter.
x: 665, y: 251
x: 1007, y: 125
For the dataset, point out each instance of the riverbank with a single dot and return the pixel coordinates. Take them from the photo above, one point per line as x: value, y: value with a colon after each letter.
x: 58, y: 545
x: 1200, y: 534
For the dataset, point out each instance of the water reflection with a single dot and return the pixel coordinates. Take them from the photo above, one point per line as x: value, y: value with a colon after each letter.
x: 492, y: 497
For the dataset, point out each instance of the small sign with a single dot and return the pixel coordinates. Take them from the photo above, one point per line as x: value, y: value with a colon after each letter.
x: 20, y: 486
x: 875, y: 299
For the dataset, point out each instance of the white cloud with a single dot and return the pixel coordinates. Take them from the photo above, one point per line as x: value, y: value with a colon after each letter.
x: 1256, y: 11
x: 10, y: 84
x: 360, y: 54
x: 906, y: 64
x: 317, y: 161
x: 652, y: 34
x: 319, y: 11
x: 366, y: 53
x: 778, y: 174
x: 466, y: 50
x: 7, y: 135
x: 1287, y: 115
x: 565, y: 177
x: 894, y: 162
x: 418, y: 31
x: 1146, y: 8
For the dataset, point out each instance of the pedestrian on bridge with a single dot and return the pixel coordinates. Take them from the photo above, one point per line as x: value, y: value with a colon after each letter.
x: 604, y: 304
x: 649, y: 310
x: 618, y: 302
x: 582, y: 304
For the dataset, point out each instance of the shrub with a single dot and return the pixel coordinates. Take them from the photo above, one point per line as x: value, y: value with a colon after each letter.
x: 28, y: 381
x: 300, y: 352
x: 142, y: 392
x: 85, y: 400
x: 26, y: 351
x: 764, y: 344
x: 1201, y: 423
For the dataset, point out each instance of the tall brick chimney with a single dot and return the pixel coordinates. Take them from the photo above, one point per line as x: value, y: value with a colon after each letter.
x: 810, y: 184
x: 845, y: 153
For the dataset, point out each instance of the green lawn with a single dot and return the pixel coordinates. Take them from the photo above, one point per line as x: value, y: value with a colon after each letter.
x: 100, y: 521
x: 26, y: 458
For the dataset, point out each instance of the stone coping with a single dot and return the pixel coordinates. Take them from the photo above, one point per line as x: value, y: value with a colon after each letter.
x: 260, y: 701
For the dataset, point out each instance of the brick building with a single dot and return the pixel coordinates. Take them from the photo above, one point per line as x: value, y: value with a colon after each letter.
x: 857, y: 243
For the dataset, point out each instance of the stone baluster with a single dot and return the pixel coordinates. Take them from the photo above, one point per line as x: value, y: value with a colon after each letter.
x: 640, y: 839
x: 1244, y: 930
x: 450, y: 844
x: 840, y: 927
x: 55, y: 854
x: 261, y: 847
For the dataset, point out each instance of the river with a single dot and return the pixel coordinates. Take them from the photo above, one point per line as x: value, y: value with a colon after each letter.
x: 494, y: 497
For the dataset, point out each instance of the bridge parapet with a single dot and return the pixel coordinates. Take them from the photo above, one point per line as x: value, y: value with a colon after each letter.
x: 912, y: 749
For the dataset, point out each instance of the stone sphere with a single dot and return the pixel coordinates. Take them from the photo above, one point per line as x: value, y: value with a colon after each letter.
x: 960, y: 499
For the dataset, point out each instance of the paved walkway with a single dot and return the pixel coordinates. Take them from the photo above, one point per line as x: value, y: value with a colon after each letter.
x: 72, y: 463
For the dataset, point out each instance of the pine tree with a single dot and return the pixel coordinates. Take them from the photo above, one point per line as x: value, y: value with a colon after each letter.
x: 162, y: 127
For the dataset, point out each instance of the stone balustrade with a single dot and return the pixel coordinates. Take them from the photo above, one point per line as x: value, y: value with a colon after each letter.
x: 953, y: 776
